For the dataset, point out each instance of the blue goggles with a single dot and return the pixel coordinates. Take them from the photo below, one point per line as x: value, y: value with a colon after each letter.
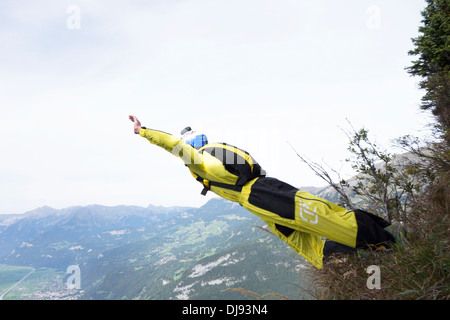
x: 198, y: 141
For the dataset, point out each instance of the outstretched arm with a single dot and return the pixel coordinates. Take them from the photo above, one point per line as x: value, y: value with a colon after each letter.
x: 169, y: 142
x: 159, y: 138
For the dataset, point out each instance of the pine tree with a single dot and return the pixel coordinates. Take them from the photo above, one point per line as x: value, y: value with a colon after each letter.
x: 432, y: 47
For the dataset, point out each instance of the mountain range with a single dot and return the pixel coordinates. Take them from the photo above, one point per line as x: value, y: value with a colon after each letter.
x: 130, y: 252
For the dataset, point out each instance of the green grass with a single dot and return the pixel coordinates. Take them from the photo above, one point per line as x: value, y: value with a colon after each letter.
x: 9, y: 275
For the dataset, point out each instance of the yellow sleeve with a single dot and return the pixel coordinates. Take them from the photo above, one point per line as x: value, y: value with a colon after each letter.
x: 159, y: 138
x: 172, y: 144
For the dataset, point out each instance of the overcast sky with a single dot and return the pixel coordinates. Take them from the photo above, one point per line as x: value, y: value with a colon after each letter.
x: 254, y: 73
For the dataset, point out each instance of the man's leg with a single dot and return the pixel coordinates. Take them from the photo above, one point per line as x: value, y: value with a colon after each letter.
x: 371, y: 232
x: 285, y: 205
x: 292, y: 213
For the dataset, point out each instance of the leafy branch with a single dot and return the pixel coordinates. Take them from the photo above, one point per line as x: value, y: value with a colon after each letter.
x: 385, y: 184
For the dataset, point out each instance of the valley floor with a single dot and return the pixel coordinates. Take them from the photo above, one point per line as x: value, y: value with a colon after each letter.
x: 37, y: 284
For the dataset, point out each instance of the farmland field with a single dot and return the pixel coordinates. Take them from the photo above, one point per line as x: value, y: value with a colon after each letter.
x: 9, y: 275
x: 40, y: 284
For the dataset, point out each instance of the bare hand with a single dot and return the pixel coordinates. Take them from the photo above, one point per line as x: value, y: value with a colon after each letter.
x: 137, y: 124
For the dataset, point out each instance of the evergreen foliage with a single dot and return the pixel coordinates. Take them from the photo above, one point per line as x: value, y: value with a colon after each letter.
x: 432, y: 47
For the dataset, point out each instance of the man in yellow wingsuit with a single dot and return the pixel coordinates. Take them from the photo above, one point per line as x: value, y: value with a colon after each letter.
x: 313, y: 227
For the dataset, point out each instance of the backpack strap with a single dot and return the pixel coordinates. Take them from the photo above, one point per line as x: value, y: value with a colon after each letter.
x: 207, y: 185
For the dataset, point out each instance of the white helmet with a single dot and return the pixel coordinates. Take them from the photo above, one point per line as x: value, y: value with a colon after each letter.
x: 192, y: 138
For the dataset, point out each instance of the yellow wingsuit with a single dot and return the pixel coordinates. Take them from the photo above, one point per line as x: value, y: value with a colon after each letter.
x: 299, y: 218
